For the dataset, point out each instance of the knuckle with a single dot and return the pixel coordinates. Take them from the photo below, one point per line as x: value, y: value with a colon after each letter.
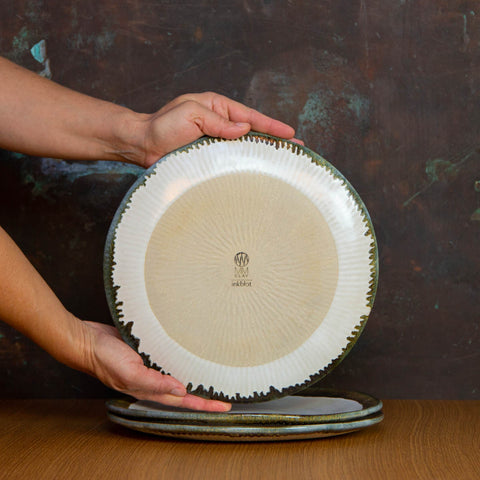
x: 209, y: 94
x: 189, y: 103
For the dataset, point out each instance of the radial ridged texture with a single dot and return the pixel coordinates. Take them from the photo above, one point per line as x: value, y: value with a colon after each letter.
x: 242, y: 267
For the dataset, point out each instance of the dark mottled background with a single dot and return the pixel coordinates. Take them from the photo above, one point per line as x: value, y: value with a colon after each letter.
x: 388, y: 91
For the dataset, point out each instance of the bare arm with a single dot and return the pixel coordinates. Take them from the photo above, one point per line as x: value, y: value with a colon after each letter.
x: 39, y: 117
x: 29, y: 305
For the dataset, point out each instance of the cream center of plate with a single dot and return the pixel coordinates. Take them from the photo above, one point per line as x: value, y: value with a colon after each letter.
x: 241, y: 269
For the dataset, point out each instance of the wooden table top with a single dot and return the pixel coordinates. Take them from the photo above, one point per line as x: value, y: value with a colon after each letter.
x: 418, y: 439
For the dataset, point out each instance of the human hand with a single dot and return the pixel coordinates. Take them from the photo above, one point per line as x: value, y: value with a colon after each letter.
x: 29, y: 305
x: 191, y: 116
x: 70, y: 125
x: 119, y: 367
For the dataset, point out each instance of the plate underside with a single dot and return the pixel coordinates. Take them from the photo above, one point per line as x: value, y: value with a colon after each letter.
x: 246, y: 269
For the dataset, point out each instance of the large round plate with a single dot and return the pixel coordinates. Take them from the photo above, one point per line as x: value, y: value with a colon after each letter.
x: 244, y: 268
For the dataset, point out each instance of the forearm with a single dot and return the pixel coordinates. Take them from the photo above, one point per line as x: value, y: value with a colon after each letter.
x: 39, y: 117
x: 30, y: 306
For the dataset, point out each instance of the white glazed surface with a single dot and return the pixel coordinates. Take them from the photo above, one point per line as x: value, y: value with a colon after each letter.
x: 173, y: 177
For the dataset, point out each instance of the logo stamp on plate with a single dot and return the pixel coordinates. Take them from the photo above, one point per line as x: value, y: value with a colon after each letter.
x: 241, y: 279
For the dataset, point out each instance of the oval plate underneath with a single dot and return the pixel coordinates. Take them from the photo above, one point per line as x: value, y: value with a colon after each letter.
x: 331, y: 405
x: 260, y: 433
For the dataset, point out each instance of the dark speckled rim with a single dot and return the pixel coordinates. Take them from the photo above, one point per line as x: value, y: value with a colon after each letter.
x: 125, y: 327
x: 247, y: 433
x: 369, y: 405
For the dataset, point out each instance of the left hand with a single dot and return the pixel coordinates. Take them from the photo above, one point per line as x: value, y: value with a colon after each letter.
x: 119, y: 367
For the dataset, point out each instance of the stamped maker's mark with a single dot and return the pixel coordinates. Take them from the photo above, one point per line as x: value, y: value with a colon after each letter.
x: 241, y: 278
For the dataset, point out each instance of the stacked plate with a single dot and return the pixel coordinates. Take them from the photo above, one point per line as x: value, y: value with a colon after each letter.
x: 246, y: 269
x: 315, y: 413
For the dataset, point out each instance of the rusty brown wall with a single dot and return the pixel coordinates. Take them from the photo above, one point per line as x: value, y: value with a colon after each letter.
x: 387, y: 90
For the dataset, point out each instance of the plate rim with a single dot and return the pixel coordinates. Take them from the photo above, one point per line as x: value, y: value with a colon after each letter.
x: 245, y: 432
x: 369, y: 403
x: 125, y: 327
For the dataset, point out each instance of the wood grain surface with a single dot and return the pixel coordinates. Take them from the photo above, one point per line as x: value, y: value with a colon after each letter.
x: 424, y: 440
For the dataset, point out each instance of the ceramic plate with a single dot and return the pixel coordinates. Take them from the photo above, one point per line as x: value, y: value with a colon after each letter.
x: 251, y: 433
x: 244, y: 268
x: 314, y: 406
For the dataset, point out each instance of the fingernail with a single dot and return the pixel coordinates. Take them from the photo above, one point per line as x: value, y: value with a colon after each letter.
x: 226, y: 407
x: 242, y: 124
x: 178, y: 392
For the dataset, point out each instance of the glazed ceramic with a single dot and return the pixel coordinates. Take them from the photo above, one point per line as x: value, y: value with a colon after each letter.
x: 257, y: 433
x: 314, y: 406
x: 244, y: 268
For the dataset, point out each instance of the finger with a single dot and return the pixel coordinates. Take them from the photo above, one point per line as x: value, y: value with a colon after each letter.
x: 261, y: 123
x: 149, y: 384
x: 235, y: 112
x: 238, y: 112
x: 157, y: 387
x: 233, y: 124
x: 197, y: 403
x: 215, y: 125
x: 167, y: 390
x: 192, y: 402
x: 200, y: 120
